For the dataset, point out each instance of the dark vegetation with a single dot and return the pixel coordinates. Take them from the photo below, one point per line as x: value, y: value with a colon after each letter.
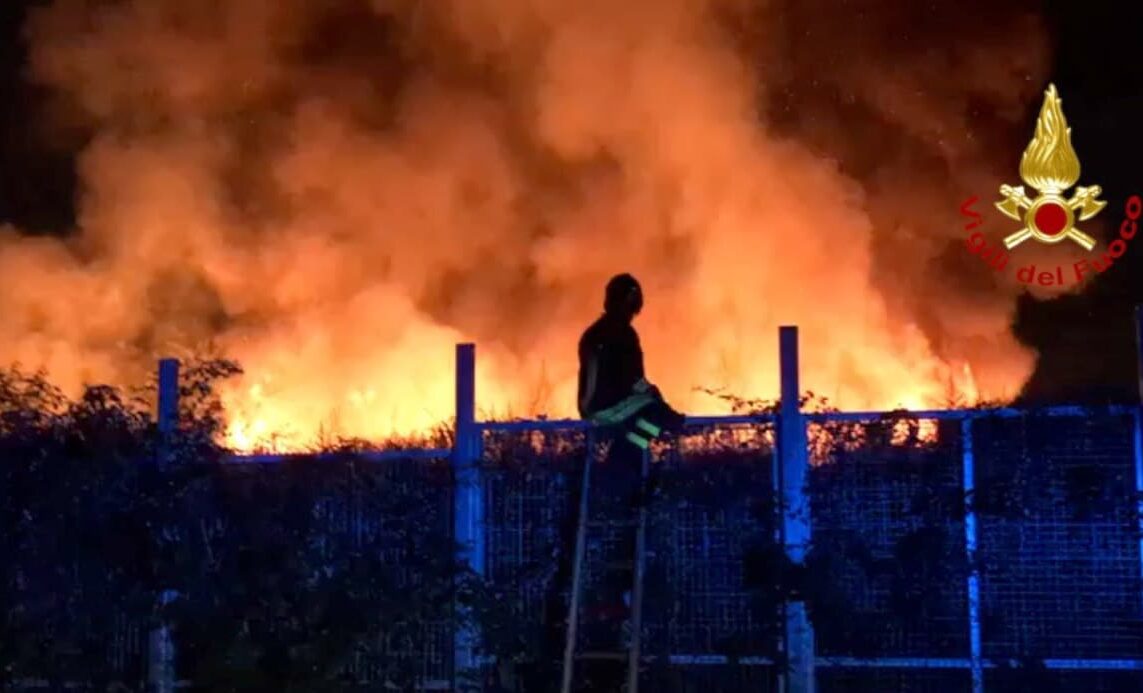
x: 281, y: 584
x: 321, y: 576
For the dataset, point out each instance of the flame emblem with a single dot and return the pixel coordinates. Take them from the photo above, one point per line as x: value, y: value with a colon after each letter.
x: 1050, y: 166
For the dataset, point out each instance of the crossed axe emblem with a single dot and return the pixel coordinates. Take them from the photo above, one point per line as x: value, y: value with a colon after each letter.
x: 1037, y: 213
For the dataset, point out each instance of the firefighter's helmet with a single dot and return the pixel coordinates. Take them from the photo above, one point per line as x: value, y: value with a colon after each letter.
x: 623, y: 295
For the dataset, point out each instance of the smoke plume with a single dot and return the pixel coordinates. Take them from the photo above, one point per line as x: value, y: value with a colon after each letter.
x: 335, y: 192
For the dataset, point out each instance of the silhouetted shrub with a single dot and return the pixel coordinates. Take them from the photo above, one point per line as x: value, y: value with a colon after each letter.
x: 321, y: 574
x: 289, y: 576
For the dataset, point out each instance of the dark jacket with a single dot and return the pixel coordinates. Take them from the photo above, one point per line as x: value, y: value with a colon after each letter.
x: 612, y: 346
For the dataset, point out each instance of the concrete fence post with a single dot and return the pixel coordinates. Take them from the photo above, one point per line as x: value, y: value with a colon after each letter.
x: 161, y: 674
x: 468, y: 509
x: 796, y: 536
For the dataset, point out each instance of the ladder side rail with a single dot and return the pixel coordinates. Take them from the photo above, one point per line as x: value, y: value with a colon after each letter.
x: 577, y: 570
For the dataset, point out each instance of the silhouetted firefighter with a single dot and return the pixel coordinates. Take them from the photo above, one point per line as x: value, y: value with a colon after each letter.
x: 613, y: 390
x: 629, y: 413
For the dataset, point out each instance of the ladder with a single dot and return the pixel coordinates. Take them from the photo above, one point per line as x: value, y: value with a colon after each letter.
x: 572, y: 654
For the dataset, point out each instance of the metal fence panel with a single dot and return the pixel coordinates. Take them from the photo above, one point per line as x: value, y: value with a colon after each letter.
x: 428, y: 649
x: 352, y: 517
x: 529, y: 511
x: 1036, y: 680
x: 889, y: 572
x: 711, y: 522
x: 1058, y: 550
x: 712, y: 533
x: 710, y: 678
x: 888, y: 528
x: 885, y: 680
x: 1059, y: 544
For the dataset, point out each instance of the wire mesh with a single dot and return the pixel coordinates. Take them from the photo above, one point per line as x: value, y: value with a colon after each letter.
x: 1057, y: 533
x: 1036, y: 680
x: 99, y: 643
x: 889, y: 561
x: 1059, y: 544
x: 424, y: 651
x: 888, y: 573
x: 530, y: 500
x: 718, y: 678
x: 711, y: 583
x: 894, y: 681
x: 709, y: 526
x: 394, y: 510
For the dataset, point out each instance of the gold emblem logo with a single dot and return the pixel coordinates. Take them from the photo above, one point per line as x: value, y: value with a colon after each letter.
x: 1050, y: 166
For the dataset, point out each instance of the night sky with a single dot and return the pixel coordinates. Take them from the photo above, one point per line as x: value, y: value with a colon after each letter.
x: 1086, y: 342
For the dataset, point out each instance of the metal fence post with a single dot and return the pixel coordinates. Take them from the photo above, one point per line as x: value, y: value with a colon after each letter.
x: 794, y: 461
x: 168, y: 415
x: 161, y: 673
x: 968, y: 477
x: 468, y: 506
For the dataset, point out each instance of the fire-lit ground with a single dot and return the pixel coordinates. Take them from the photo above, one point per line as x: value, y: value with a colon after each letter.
x: 334, y: 195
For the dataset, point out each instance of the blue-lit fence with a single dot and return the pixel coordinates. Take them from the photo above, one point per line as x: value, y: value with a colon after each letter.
x: 971, y: 564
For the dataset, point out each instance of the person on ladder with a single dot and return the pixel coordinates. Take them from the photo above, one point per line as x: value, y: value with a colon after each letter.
x: 614, y: 394
x: 613, y: 389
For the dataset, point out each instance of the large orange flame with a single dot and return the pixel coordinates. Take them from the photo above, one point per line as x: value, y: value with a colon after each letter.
x: 336, y: 194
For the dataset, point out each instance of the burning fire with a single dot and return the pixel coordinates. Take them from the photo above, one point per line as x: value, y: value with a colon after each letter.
x: 334, y: 195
